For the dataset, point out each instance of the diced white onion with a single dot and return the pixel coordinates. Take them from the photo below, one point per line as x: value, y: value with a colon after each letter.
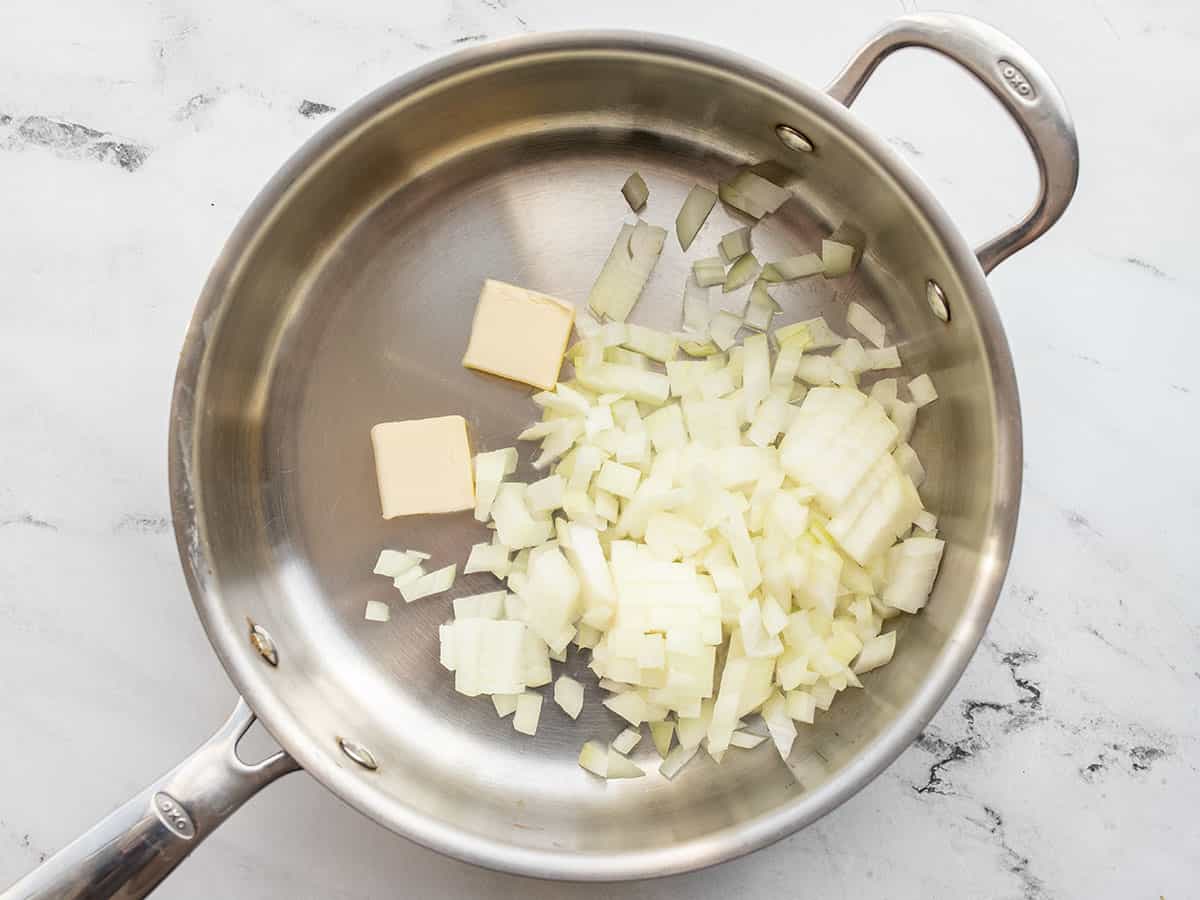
x: 724, y: 328
x: 434, y: 583
x: 506, y: 704
x: 735, y: 245
x: 377, y: 611
x: 626, y: 741
x: 793, y: 267
x: 836, y: 258
x: 623, y: 275
x: 709, y: 271
x: 568, y: 694
x: 752, y: 194
x: 741, y: 273
x: 394, y: 563
x: 860, y: 319
x: 529, y: 710
x: 635, y: 191
x: 875, y: 653
x: 697, y: 206
x: 922, y: 391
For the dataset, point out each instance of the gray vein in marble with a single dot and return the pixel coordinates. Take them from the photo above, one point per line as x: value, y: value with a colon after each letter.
x: 1015, y: 716
x: 1016, y: 863
x: 71, y: 140
x: 310, y: 109
x: 193, y: 106
x: 29, y: 520
x: 1145, y: 266
x: 134, y: 523
x: 907, y: 146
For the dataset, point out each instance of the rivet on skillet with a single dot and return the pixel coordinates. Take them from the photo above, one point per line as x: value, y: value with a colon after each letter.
x: 936, y: 299
x: 793, y: 139
x: 262, y: 641
x: 358, y: 753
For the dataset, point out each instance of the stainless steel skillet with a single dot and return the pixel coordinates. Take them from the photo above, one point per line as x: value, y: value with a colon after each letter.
x: 344, y: 297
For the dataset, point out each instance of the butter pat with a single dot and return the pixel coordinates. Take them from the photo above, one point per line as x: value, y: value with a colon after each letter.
x: 519, y: 334
x: 423, y: 466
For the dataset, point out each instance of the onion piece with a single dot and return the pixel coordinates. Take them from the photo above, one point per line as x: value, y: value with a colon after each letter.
x: 626, y: 741
x: 735, y: 245
x: 568, y: 694
x: 377, y: 611
x: 793, y: 267
x: 926, y: 521
x: 623, y: 277
x: 709, y: 271
x: 480, y: 606
x: 695, y: 306
x: 593, y: 757
x: 699, y: 349
x: 745, y: 740
x: 740, y: 273
x: 875, y: 653
x: 545, y: 495
x: 883, y: 392
x: 490, y: 470
x: 860, y: 319
x: 676, y: 760
x: 661, y: 733
x: 415, y: 573
x: 697, y: 206
x: 645, y: 387
x: 630, y: 706
x: 881, y: 358
x: 396, y: 562
x: 658, y: 345
x: 528, y: 711
x: 820, y: 335
x: 620, y: 767
x: 761, y: 308
x: 434, y: 583
x: 753, y: 194
x: 724, y: 328
x: 635, y: 191
x: 488, y: 558
x: 801, y: 706
x: 836, y: 258
x: 922, y: 391
x: 506, y: 704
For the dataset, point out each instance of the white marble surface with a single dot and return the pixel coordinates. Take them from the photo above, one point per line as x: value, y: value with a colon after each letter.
x: 1064, y: 765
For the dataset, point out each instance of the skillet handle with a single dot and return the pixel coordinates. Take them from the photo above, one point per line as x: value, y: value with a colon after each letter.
x: 136, y: 846
x: 1016, y: 80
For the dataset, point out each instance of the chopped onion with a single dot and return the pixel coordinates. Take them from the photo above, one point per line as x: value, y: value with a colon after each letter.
x: 912, y: 566
x: 836, y: 258
x: 626, y: 741
x: 699, y: 348
x: 745, y: 740
x: 646, y: 387
x: 735, y: 245
x: 793, y: 267
x: 427, y: 585
x: 908, y: 461
x: 636, y: 192
x: 741, y: 272
x: 861, y: 320
x: 709, y: 271
x: 724, y: 328
x: 377, y: 611
x: 593, y: 756
x: 488, y: 558
x: 655, y: 344
x: 761, y: 308
x: 676, y: 760
x: 568, y: 694
x: 528, y: 711
x: 629, y: 706
x: 753, y: 194
x: 661, y: 733
x: 697, y: 206
x: 506, y: 704
x: 695, y: 306
x: 875, y: 653
x: 394, y: 563
x: 883, y: 392
x: 545, y: 495
x: 925, y: 520
x: 480, y: 606
x: 801, y: 706
x: 922, y: 391
x: 490, y: 470
x: 620, y: 767
x: 623, y: 276
x: 881, y: 358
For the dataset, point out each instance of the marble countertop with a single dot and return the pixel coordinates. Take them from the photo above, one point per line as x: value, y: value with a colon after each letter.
x: 132, y: 136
